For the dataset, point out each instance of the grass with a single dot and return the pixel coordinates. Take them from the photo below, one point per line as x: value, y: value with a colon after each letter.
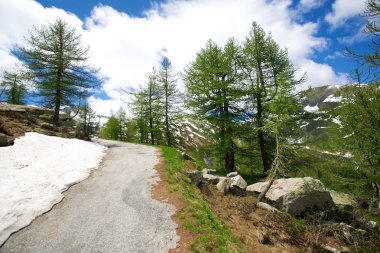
x: 212, y: 235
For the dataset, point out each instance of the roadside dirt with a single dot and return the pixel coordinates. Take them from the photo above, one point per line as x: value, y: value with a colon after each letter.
x: 161, y: 191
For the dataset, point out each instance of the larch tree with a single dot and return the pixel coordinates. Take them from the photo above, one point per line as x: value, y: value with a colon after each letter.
x: 263, y: 64
x: 13, y: 87
x: 168, y: 79
x: 360, y: 113
x: 59, y: 63
x: 154, y: 108
x: 139, y: 109
x: 213, y: 92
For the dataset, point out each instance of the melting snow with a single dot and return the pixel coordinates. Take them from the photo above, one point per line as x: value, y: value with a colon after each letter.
x: 332, y: 99
x: 337, y: 121
x: 35, y: 171
x: 309, y: 108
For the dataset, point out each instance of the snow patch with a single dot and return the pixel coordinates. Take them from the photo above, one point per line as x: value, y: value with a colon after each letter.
x: 337, y: 121
x: 309, y: 108
x: 333, y: 99
x: 35, y: 171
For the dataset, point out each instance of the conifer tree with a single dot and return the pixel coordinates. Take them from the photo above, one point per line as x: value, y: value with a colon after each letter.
x: 264, y: 64
x: 170, y: 96
x: 213, y: 92
x: 13, y: 87
x: 59, y: 63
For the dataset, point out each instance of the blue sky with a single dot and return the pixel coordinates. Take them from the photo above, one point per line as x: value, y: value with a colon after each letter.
x: 127, y: 38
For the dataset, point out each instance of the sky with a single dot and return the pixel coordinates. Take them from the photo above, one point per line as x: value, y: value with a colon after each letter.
x: 128, y: 38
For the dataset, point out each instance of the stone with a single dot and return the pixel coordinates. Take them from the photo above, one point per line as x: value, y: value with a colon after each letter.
x: 367, y: 225
x: 211, y: 179
x: 232, y: 174
x: 347, y: 232
x: 342, y: 200
x: 187, y: 157
x: 224, y: 185
x: 238, y: 186
x: 195, y: 176
x: 205, y: 190
x: 266, y: 206
x: 295, y: 195
x: 3, y: 140
x: 209, y: 171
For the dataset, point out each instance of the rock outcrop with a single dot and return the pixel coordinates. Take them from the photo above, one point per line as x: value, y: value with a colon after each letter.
x: 295, y: 195
x: 15, y: 120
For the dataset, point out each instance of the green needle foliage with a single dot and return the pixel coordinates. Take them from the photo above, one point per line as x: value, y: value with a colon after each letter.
x: 213, y: 92
x: 13, y: 87
x: 268, y: 75
x: 59, y: 63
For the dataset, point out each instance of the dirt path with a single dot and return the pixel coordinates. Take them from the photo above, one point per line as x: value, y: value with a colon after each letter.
x: 111, y: 211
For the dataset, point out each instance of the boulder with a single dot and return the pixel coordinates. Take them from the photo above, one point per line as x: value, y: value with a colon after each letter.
x: 211, y: 179
x: 266, y: 206
x: 224, y: 185
x: 195, y: 176
x: 295, y: 195
x: 238, y: 185
x: 232, y: 174
x: 342, y: 200
x: 3, y: 140
x: 208, y: 171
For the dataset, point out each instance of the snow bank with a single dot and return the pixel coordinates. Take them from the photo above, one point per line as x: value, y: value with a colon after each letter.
x: 34, y: 173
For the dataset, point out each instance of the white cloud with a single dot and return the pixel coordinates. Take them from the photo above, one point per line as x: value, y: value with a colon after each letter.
x: 126, y: 47
x: 17, y: 18
x: 342, y: 10
x: 308, y: 5
x: 323, y: 74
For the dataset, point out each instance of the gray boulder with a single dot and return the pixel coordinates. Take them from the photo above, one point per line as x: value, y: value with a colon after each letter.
x: 208, y: 171
x: 224, y: 185
x: 195, y: 176
x: 232, y: 174
x: 211, y: 179
x: 6, y: 140
x: 238, y: 185
x: 295, y: 195
x: 342, y: 200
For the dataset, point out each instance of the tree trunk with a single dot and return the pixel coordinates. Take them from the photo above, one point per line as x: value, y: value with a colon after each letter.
x: 264, y: 192
x: 57, y: 106
x: 168, y: 139
x: 229, y: 161
x: 260, y: 137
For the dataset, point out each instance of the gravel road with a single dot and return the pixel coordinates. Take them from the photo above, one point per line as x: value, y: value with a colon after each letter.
x: 111, y: 211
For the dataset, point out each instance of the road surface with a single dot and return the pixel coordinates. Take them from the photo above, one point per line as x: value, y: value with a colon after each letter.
x: 111, y: 211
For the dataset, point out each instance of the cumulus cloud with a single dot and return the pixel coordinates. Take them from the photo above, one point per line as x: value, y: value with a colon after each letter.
x: 342, y: 10
x: 127, y: 47
x: 17, y: 19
